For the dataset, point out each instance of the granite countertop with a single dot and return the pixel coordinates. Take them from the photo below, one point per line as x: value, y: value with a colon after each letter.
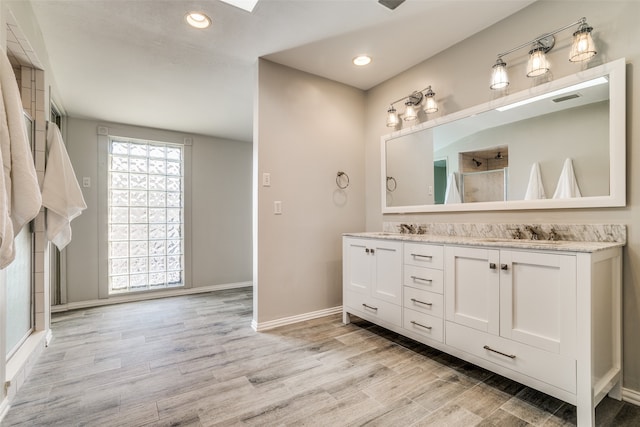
x: 549, y: 245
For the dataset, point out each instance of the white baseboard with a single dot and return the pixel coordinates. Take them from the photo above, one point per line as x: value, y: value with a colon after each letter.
x: 263, y: 326
x: 631, y: 396
x: 117, y: 299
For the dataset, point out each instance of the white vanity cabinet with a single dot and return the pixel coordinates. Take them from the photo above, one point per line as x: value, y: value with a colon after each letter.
x: 516, y: 309
x: 548, y: 318
x: 372, y: 280
x: 423, y: 299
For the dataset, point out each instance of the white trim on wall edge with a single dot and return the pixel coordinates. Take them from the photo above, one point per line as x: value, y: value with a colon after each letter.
x: 263, y: 326
x: 631, y: 396
x: 117, y: 299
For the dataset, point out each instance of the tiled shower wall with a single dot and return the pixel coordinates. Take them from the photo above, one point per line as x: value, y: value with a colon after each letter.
x: 33, y: 101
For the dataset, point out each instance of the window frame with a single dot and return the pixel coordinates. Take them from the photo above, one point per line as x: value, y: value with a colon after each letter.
x: 105, y: 135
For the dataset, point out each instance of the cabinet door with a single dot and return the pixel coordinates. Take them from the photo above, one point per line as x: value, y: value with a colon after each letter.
x: 357, y: 271
x: 472, y: 288
x: 537, y: 300
x: 387, y: 280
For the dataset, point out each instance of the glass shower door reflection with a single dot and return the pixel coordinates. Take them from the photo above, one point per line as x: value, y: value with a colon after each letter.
x: 19, y: 293
x: 19, y: 284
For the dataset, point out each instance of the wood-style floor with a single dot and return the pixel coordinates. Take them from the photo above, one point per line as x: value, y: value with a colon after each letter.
x: 195, y: 361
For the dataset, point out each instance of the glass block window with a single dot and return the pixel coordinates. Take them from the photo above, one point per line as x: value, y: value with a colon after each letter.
x: 146, y: 215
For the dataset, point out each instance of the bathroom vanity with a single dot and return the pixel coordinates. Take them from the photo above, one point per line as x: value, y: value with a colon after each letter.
x: 544, y: 313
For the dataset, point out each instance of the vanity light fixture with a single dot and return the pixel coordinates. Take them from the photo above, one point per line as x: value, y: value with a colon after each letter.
x: 411, y: 102
x: 198, y: 20
x: 582, y: 49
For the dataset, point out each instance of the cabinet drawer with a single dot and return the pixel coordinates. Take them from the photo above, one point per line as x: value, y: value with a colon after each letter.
x: 426, y: 279
x: 371, y: 308
x: 423, y: 301
x: 423, y: 324
x: 423, y: 255
x: 551, y: 368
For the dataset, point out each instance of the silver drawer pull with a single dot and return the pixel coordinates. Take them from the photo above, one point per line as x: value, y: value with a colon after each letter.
x: 510, y: 356
x: 421, y: 302
x: 369, y: 307
x: 422, y: 326
x: 421, y: 256
x: 420, y: 278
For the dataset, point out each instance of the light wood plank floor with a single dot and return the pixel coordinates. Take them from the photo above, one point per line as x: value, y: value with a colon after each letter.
x: 195, y: 361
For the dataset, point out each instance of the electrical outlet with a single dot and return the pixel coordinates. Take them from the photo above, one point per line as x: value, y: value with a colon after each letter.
x: 277, y: 207
x: 86, y: 181
x: 266, y: 179
x: 430, y: 190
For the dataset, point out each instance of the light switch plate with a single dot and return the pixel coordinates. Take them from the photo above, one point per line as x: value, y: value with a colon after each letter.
x: 277, y: 207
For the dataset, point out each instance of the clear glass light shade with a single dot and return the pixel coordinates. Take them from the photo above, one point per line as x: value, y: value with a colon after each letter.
x: 410, y: 112
x: 392, y: 117
x: 431, y: 106
x: 538, y: 63
x: 499, y: 77
x: 582, y: 48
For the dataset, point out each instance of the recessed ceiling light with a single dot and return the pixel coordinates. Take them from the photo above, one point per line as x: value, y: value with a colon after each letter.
x: 362, y: 60
x: 198, y: 20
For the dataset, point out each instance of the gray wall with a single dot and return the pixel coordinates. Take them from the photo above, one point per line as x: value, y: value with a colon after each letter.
x: 220, y: 211
x: 306, y: 129
x: 460, y: 78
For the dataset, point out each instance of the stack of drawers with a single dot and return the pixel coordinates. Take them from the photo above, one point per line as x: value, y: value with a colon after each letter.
x: 423, y: 285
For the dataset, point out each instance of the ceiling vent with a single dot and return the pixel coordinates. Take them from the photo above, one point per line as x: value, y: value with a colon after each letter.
x: 566, y: 98
x: 391, y: 4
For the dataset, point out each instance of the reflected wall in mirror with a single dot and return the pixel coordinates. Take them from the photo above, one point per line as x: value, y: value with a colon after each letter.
x: 490, y: 152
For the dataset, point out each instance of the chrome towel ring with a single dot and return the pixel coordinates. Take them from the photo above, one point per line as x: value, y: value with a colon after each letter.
x: 391, y: 184
x: 341, y: 177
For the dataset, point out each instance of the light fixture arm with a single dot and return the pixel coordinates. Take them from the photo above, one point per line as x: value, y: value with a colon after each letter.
x: 549, y: 34
x: 409, y: 96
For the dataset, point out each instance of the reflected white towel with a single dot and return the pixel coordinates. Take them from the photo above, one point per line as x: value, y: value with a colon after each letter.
x: 535, y: 189
x: 452, y: 195
x: 22, y: 199
x: 61, y: 193
x: 567, y: 185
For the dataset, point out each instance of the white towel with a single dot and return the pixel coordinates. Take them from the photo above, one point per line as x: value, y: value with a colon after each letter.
x: 567, y: 185
x: 452, y: 195
x: 22, y: 199
x: 61, y: 193
x: 535, y: 189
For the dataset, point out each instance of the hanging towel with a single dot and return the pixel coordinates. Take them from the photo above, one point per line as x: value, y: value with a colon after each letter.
x: 22, y: 198
x: 567, y: 185
x: 535, y: 189
x: 61, y: 193
x: 451, y: 195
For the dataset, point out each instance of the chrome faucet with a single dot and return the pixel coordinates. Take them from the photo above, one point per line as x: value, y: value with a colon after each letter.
x: 406, y: 228
x: 517, y: 234
x: 532, y: 231
x: 553, y: 235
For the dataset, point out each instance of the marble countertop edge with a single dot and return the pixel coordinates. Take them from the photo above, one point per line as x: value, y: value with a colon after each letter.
x: 548, y: 245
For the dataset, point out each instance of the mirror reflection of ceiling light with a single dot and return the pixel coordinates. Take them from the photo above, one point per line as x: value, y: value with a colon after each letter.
x: 362, y: 60
x: 247, y: 5
x: 198, y: 20
x: 583, y: 85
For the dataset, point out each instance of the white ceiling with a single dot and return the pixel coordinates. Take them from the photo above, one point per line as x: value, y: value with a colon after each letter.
x: 137, y: 62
